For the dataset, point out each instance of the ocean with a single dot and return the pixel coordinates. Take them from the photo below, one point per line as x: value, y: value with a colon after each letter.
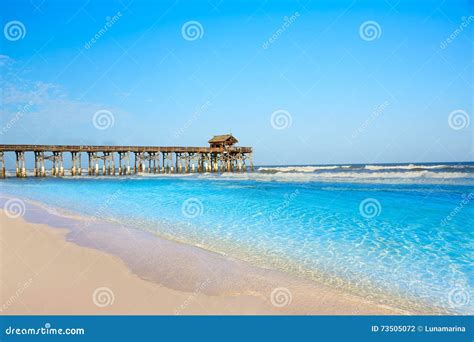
x: 398, y: 234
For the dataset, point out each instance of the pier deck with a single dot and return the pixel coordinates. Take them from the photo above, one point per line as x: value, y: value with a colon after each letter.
x: 104, y: 148
x: 221, y: 156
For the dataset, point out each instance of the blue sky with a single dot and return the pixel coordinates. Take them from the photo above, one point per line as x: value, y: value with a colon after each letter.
x: 351, y: 97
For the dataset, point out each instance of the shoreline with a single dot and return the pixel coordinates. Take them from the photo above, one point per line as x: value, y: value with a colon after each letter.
x: 183, y: 272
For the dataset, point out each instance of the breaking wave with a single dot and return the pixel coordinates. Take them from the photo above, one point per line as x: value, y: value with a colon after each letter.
x: 408, y: 167
x: 388, y: 173
x: 301, y: 168
x: 355, y: 175
x: 417, y: 167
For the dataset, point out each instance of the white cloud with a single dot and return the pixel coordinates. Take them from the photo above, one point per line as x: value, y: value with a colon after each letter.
x: 33, y: 111
x: 5, y: 60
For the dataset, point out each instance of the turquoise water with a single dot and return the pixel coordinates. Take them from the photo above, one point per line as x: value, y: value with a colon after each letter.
x: 399, y: 234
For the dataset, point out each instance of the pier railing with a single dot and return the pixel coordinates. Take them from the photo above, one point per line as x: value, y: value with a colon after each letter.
x: 151, y: 159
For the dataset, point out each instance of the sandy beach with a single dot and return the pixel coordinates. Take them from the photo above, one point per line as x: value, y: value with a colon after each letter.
x: 44, y: 273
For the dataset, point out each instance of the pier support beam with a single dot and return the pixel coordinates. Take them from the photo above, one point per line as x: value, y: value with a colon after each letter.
x: 79, y: 160
x: 76, y: 163
x: 187, y: 162
x: 238, y: 161
x: 39, y: 170
x: 244, y: 162
x: 20, y: 164
x: 124, y: 168
x: 177, y: 165
x: 200, y: 162
x: 228, y: 162
x: 222, y: 163
x: 213, y: 162
x: 43, y: 169
x: 121, y: 157
x: 2, y: 165
x: 207, y: 162
x: 108, y: 167
x: 54, y: 166
x: 62, y: 164
x: 171, y: 167
x: 58, y: 167
x: 93, y: 166
x: 104, y: 163
x: 153, y: 162
x: 127, y: 162
x: 195, y: 162
x: 163, y: 162
x: 168, y: 166
x: 37, y: 167
x: 113, y: 163
x: 139, y: 162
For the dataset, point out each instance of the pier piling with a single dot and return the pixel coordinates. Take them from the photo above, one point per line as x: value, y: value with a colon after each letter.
x: 2, y: 162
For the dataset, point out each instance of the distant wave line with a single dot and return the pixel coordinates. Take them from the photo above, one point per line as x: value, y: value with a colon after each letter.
x: 312, y: 169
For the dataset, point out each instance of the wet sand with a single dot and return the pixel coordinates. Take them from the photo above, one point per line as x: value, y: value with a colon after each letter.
x: 60, y: 265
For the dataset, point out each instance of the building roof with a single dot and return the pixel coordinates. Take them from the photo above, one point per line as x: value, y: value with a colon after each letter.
x: 223, y: 138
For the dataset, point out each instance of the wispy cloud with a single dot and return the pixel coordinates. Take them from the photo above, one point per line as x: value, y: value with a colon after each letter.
x: 48, y: 106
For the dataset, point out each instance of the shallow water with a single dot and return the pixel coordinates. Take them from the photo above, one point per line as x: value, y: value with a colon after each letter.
x: 392, y: 239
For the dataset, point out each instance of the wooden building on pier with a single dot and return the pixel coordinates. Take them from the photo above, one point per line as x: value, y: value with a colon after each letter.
x: 223, y: 141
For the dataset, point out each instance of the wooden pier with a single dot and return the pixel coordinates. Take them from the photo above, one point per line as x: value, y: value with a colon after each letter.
x: 221, y: 156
